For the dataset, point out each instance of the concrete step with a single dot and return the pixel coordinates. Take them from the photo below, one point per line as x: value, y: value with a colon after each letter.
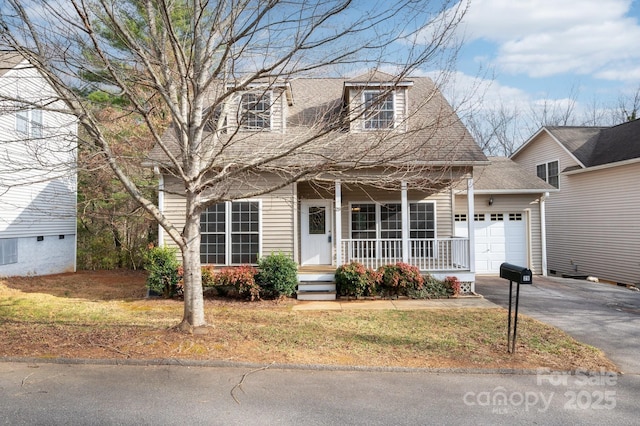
x: 316, y: 295
x: 316, y: 286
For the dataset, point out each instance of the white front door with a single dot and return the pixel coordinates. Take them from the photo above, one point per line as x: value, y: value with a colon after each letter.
x: 315, y: 221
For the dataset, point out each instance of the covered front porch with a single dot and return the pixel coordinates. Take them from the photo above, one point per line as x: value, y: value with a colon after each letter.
x: 349, y: 223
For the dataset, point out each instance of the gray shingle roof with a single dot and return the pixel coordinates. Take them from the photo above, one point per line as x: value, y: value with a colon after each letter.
x: 595, y: 146
x: 505, y: 175
x: 435, y: 134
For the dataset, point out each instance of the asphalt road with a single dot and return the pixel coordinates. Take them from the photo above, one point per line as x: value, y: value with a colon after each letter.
x: 58, y: 394
x: 602, y: 315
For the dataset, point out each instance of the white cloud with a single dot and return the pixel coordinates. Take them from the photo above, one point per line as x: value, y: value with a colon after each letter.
x: 478, y: 93
x: 541, y: 38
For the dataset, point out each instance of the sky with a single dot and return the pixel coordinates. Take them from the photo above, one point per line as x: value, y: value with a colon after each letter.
x: 527, y: 52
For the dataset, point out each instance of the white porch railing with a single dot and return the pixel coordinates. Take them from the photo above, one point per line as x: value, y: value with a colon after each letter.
x: 434, y: 254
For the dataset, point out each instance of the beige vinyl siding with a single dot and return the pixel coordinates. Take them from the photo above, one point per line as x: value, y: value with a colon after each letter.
x: 523, y: 203
x: 37, y: 176
x: 592, y: 225
x: 277, y: 229
x: 545, y: 149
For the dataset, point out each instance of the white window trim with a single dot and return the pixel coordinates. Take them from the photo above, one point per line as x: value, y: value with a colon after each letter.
x: 228, y: 211
x: 546, y: 170
x: 243, y: 126
x: 435, y: 216
x: 27, y: 114
x: 364, y: 109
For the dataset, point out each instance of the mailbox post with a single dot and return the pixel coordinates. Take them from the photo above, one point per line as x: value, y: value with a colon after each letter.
x: 520, y: 275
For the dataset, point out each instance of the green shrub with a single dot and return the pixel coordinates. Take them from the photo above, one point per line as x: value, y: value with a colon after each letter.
x: 162, y: 265
x: 277, y: 276
x: 355, y: 280
x: 400, y: 279
x: 432, y: 288
x: 242, y: 278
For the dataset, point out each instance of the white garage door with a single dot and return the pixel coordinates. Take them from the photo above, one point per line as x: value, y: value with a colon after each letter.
x: 500, y: 237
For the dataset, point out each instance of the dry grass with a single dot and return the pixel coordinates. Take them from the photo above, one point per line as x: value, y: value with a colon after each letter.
x: 105, y: 315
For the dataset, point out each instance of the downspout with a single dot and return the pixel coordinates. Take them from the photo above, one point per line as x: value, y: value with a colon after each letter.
x: 404, y: 200
x: 543, y: 232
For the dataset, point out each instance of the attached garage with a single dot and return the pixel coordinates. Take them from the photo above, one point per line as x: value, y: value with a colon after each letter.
x: 500, y: 237
x: 509, y: 216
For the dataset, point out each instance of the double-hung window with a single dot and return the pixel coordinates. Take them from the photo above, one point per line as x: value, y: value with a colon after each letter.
x: 29, y: 122
x: 382, y: 223
x: 378, y: 109
x: 549, y: 172
x: 255, y: 111
x: 230, y: 233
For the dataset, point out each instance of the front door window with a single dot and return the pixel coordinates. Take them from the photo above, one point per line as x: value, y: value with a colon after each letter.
x: 317, y: 220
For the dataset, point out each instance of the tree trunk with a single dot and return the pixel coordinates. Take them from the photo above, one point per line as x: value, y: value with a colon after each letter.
x: 193, y: 316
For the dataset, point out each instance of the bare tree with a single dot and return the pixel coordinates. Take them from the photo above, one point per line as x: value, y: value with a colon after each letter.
x: 628, y: 107
x: 194, y: 58
x: 497, y: 131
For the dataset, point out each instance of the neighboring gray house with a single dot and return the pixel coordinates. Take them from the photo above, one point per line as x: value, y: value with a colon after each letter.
x: 37, y: 174
x: 592, y: 222
x: 347, y: 217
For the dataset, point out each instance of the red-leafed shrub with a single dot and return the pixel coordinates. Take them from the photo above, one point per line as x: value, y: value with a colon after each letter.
x: 356, y: 280
x: 242, y: 278
x: 400, y: 278
x: 453, y: 285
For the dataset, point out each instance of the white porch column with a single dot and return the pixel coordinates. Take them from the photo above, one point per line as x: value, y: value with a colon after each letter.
x: 405, y: 221
x: 471, y: 231
x: 295, y: 208
x: 160, y: 204
x: 543, y: 232
x: 338, y: 222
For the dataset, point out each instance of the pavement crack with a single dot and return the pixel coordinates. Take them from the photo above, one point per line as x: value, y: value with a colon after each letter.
x: 244, y: 376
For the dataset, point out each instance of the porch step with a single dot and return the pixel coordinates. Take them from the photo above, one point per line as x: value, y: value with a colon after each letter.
x: 316, y: 290
x: 316, y: 286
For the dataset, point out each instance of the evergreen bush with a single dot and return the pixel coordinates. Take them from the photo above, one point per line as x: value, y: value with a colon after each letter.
x: 277, y: 275
x: 162, y: 265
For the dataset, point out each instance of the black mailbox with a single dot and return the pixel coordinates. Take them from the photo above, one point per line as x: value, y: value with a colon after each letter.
x: 515, y: 273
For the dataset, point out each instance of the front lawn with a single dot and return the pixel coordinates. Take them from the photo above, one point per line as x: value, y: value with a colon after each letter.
x: 105, y: 315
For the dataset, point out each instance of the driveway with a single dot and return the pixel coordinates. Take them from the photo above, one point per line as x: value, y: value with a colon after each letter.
x: 602, y: 315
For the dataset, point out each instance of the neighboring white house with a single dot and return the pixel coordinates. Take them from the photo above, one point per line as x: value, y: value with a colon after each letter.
x: 37, y: 174
x: 592, y: 221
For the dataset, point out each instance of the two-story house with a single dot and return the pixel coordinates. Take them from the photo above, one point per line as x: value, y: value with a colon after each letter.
x: 37, y: 174
x: 592, y: 219
x: 403, y: 148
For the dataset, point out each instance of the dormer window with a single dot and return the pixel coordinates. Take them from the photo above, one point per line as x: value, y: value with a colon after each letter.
x: 255, y: 110
x: 379, y: 112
